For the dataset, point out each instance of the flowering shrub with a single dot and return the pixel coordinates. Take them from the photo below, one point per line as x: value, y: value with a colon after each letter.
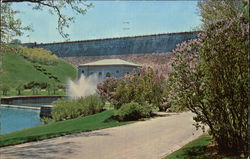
x: 147, y: 86
x: 106, y: 89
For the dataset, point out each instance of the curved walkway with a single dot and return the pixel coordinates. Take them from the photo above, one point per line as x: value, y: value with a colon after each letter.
x: 151, y: 139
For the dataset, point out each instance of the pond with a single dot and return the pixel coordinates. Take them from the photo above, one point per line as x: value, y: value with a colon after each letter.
x: 13, y: 119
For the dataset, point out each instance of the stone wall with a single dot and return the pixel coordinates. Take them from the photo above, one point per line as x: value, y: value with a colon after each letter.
x: 160, y: 43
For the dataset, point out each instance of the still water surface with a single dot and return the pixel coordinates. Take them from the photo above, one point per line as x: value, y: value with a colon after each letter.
x: 13, y: 119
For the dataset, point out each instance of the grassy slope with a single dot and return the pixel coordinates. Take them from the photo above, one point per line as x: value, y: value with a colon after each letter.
x: 196, y: 150
x: 20, y: 70
x: 88, y: 123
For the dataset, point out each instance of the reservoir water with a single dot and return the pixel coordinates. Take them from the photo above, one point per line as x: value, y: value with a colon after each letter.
x: 13, y: 119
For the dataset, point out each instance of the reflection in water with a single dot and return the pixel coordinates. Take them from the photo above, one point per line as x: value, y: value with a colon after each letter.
x: 13, y: 119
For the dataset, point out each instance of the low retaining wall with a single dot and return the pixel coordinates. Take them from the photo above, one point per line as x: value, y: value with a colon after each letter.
x: 46, y: 111
x: 28, y: 99
x: 20, y: 107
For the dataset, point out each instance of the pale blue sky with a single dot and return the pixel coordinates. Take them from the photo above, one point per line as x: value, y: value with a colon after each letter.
x: 109, y: 19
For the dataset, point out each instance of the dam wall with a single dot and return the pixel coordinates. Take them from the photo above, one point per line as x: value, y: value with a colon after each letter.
x: 158, y: 43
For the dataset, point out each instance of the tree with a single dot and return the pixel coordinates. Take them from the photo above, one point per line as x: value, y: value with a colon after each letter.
x: 19, y: 88
x: 54, y: 87
x: 35, y: 89
x: 4, y: 88
x: 11, y: 26
x: 16, y: 41
x: 1, y: 62
x: 210, y: 75
x: 48, y: 88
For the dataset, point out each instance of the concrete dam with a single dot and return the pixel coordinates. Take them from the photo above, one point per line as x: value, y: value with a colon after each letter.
x: 146, y: 44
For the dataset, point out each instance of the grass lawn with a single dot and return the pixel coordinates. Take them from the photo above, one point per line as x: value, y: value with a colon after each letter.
x: 196, y: 150
x: 18, y: 70
x: 93, y: 122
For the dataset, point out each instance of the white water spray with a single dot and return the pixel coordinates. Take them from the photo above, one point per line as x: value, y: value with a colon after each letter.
x: 83, y: 87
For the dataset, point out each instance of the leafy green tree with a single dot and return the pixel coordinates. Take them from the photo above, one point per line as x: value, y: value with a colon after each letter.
x: 4, y: 88
x: 19, y: 88
x: 35, y: 89
x: 16, y: 41
x: 54, y: 87
x: 210, y: 75
x: 11, y: 26
x: 1, y: 63
x: 48, y: 88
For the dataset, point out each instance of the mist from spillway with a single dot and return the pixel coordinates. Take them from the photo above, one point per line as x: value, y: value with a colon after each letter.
x: 82, y: 87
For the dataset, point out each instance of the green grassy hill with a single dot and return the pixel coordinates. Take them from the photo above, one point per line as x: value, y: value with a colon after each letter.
x: 17, y: 68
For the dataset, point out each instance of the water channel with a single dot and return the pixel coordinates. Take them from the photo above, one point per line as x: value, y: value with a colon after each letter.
x: 21, y: 113
x: 13, y: 119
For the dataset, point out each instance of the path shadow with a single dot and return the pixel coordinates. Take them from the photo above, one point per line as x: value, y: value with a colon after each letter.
x: 47, y: 149
x: 87, y: 134
x: 163, y: 114
x: 40, y: 150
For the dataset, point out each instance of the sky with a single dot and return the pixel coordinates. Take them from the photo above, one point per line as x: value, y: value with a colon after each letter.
x: 108, y: 19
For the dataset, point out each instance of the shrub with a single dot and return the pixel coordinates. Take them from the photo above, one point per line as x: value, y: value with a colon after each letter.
x: 106, y: 89
x: 64, y: 109
x: 30, y: 85
x: 130, y: 111
x: 94, y: 104
x: 147, y: 86
x: 133, y: 111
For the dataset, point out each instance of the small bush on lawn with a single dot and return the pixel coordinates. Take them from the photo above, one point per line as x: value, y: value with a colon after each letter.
x: 68, y: 109
x: 94, y: 104
x: 133, y: 111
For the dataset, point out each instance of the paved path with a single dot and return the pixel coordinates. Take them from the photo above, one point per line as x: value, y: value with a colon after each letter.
x: 152, y: 139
